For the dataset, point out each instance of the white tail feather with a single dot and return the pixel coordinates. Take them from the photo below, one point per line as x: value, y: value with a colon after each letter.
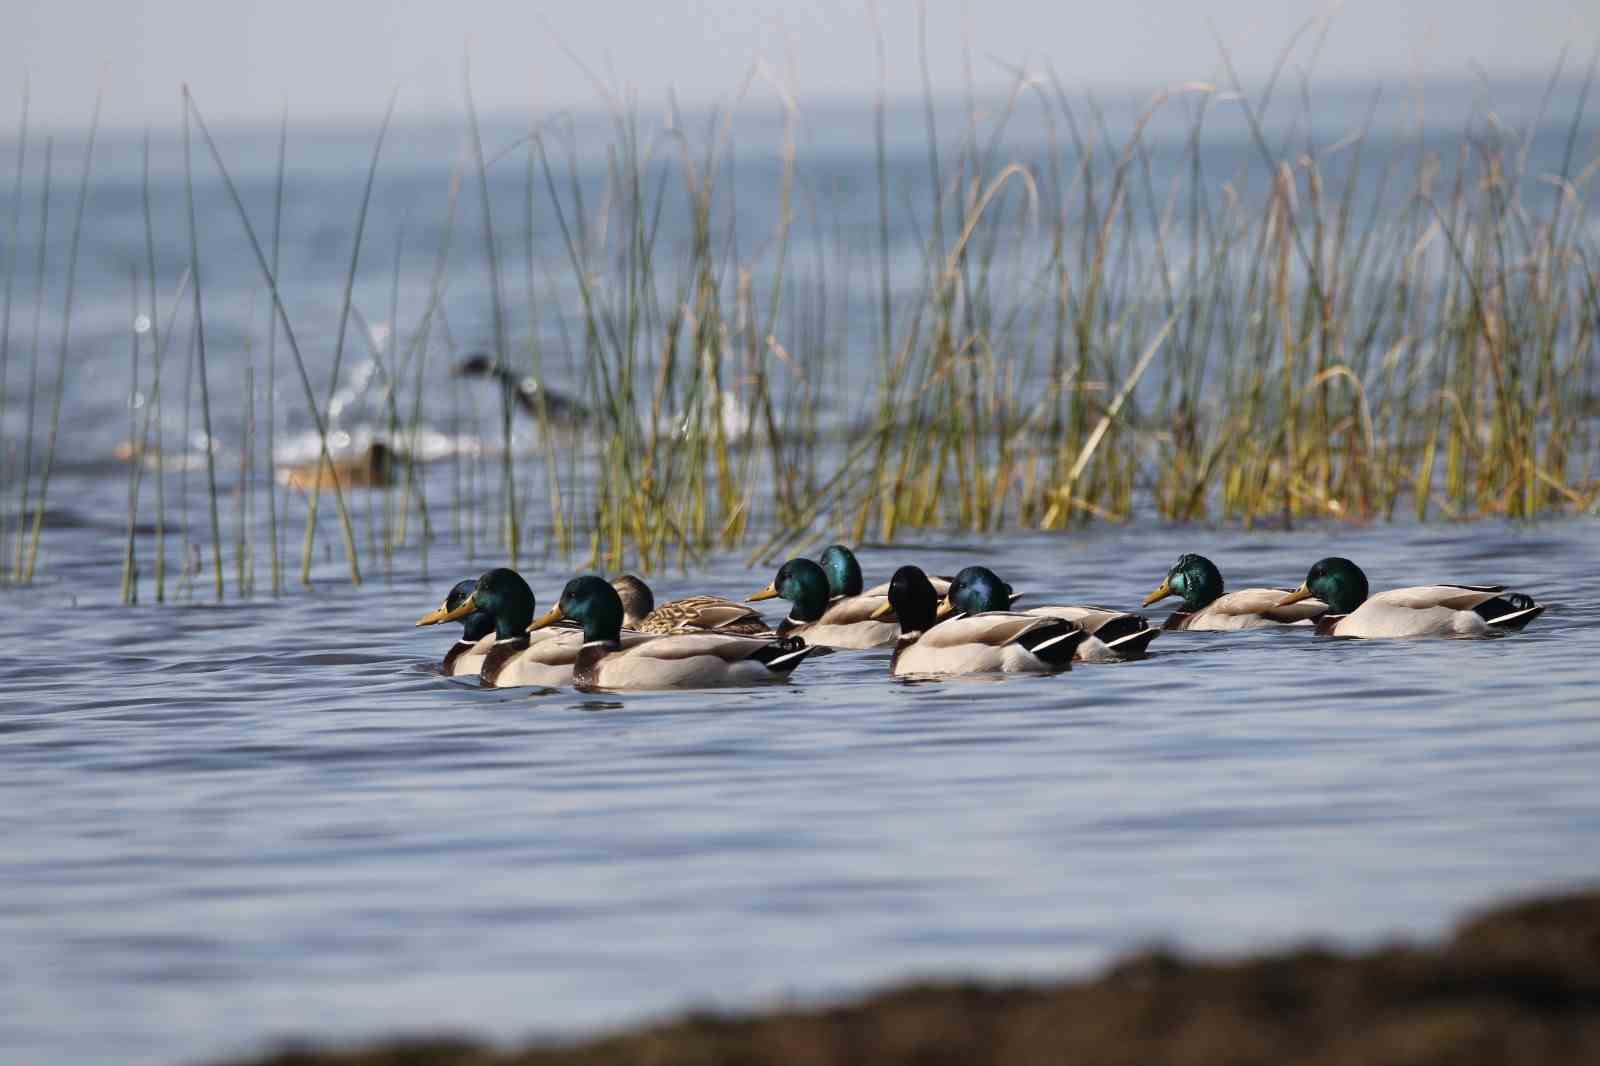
x: 1514, y: 615
x: 1042, y: 645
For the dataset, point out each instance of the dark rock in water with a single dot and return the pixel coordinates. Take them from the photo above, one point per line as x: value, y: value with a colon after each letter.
x: 1517, y: 985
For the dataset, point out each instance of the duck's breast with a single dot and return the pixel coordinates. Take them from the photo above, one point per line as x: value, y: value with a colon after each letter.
x: 920, y: 659
x: 466, y: 660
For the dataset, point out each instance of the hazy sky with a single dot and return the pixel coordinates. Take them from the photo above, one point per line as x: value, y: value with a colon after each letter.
x: 340, y: 58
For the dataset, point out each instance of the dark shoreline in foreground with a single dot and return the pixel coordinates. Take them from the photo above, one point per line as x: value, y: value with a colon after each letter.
x: 1517, y: 984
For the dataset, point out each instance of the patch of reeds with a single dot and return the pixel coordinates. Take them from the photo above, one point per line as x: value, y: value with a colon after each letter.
x: 1098, y: 324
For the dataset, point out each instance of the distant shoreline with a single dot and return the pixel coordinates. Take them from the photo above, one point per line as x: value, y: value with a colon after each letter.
x: 1516, y: 983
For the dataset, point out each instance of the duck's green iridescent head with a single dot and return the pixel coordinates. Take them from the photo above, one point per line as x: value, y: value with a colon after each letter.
x: 912, y: 599
x: 804, y: 584
x: 844, y: 573
x: 1194, y: 578
x: 1335, y: 581
x: 592, y: 603
x: 475, y: 608
x: 478, y: 624
x: 503, y: 594
x: 977, y: 589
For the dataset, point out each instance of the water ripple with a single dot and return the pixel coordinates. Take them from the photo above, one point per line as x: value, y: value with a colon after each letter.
x: 224, y: 822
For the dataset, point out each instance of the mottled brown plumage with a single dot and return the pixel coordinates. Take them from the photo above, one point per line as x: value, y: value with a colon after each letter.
x: 691, y: 614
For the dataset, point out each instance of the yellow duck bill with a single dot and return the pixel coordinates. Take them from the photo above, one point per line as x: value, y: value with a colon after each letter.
x: 1301, y: 593
x: 768, y: 593
x: 1161, y: 592
x: 434, y: 617
x: 549, y: 618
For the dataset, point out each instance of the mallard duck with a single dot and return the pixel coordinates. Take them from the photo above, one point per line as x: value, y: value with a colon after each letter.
x: 1420, y: 611
x: 692, y: 614
x: 686, y: 660
x: 515, y: 657
x: 1111, y: 635
x: 843, y: 570
x: 529, y: 392
x: 465, y: 656
x: 371, y: 468
x: 1198, y: 581
x: 844, y: 575
x: 1002, y: 642
x: 842, y: 622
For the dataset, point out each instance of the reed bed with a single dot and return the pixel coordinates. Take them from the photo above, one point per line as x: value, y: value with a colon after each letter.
x: 1097, y: 323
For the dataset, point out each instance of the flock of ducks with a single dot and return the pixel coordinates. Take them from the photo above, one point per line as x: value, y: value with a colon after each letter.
x: 612, y: 635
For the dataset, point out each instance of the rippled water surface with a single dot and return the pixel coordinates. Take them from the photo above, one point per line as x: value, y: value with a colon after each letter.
x: 227, y: 825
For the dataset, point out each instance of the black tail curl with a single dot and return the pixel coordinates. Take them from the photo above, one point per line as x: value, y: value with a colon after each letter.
x: 784, y: 654
x: 1509, y: 611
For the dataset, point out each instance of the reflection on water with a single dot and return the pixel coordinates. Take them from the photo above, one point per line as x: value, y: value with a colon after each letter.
x: 229, y: 824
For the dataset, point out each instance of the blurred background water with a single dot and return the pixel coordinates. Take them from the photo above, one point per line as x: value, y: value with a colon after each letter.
x: 1437, y: 136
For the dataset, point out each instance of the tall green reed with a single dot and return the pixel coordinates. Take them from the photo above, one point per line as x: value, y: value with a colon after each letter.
x: 51, y: 439
x: 195, y: 290
x: 13, y: 232
x: 319, y: 420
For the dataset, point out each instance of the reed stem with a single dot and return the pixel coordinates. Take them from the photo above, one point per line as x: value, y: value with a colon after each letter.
x: 66, y: 334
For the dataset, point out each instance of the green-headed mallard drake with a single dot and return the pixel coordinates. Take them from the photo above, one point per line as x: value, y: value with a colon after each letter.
x: 1111, y: 635
x: 1198, y: 582
x: 972, y: 644
x: 844, y: 575
x: 515, y: 657
x: 850, y: 621
x: 465, y: 656
x: 1420, y: 611
x: 843, y: 570
x: 692, y: 614
x: 683, y: 660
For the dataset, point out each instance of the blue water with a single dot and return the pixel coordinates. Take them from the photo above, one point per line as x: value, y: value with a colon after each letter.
x: 229, y: 825
x: 225, y: 825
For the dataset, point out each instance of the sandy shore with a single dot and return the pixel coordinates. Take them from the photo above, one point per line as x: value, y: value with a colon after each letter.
x: 1516, y: 985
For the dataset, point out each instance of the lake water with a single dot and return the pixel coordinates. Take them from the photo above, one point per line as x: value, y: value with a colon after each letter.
x: 226, y: 825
